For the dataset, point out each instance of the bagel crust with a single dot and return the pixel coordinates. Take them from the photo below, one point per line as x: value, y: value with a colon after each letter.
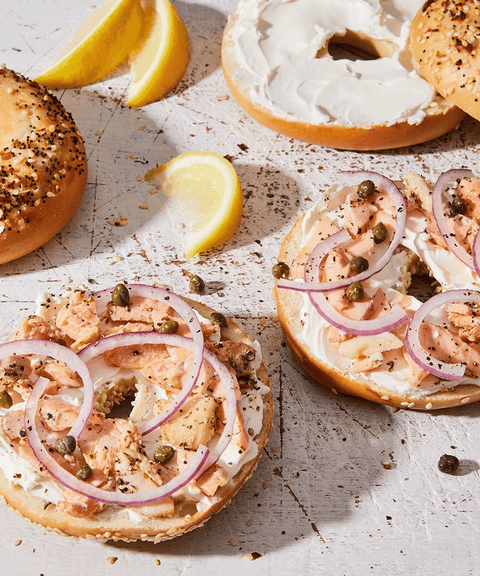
x: 289, y: 305
x: 43, y: 166
x: 444, y: 42
x: 435, y: 119
x: 116, y: 525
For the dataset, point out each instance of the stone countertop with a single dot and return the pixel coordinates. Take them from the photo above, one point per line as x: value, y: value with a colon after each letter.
x: 321, y: 501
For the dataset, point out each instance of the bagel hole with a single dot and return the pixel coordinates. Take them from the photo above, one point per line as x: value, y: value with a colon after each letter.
x: 357, y: 46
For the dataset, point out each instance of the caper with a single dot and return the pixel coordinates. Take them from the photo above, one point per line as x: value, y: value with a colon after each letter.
x: 355, y: 291
x: 83, y: 472
x: 280, y: 270
x: 66, y: 445
x: 163, y: 454
x: 219, y: 319
x: 169, y: 327
x: 366, y: 188
x: 120, y: 295
x: 197, y: 285
x: 448, y: 464
x: 359, y: 264
x: 379, y: 233
x: 5, y: 399
x: 458, y: 206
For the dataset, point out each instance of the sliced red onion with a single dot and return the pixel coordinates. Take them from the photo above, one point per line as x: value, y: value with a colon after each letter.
x: 476, y: 253
x: 395, y: 317
x: 72, y: 361
x: 436, y: 367
x: 187, y: 313
x: 70, y: 481
x: 353, y: 179
x: 439, y: 214
x: 138, y: 338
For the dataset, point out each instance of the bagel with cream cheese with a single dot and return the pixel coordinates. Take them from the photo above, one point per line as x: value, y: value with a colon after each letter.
x: 374, y: 360
x: 42, y: 163
x: 444, y: 43
x: 126, y: 456
x: 276, y: 61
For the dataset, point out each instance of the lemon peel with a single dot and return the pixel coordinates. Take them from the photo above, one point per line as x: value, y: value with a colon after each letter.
x: 210, y: 194
x: 160, y: 60
x: 103, y: 41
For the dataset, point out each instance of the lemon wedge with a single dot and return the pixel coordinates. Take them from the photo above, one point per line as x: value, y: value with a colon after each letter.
x: 210, y: 194
x: 161, y: 58
x: 103, y: 41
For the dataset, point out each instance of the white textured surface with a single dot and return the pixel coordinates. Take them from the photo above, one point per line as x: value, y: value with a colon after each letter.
x: 321, y: 501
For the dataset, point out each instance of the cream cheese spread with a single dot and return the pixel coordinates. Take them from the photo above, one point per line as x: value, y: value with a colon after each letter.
x: 281, y: 49
x: 446, y: 269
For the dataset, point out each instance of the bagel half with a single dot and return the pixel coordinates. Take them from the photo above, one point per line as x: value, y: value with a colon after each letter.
x: 116, y: 525
x: 444, y: 43
x: 289, y: 304
x: 43, y: 166
x: 440, y: 117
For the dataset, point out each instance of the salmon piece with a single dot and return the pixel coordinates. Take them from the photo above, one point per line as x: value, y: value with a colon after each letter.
x: 416, y: 374
x: 60, y: 374
x: 135, y: 356
x: 214, y: 478
x: 336, y: 266
x: 362, y: 246
x: 467, y: 318
x: 469, y: 190
x: 465, y: 230
x: 193, y: 424
x: 140, y: 309
x: 417, y: 193
x: 238, y: 355
x: 365, y: 346
x: 78, y: 319
x: 36, y: 328
x: 358, y: 213
x: 78, y: 505
x: 366, y: 364
x: 323, y: 229
x: 447, y: 346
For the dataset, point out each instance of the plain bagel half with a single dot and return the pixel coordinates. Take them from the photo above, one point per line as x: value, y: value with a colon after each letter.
x: 43, y: 166
x: 347, y: 110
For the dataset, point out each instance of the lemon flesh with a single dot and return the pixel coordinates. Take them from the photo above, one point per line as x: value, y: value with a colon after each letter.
x: 103, y: 41
x: 210, y: 194
x: 161, y: 57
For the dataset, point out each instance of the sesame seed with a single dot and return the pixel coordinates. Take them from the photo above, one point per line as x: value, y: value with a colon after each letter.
x: 465, y: 400
x: 385, y: 397
x: 429, y: 406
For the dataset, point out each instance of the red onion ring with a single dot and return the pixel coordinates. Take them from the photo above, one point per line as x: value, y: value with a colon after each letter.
x: 476, y: 253
x: 136, y: 338
x: 64, y: 354
x: 352, y: 179
x: 439, y: 214
x: 187, y: 313
x: 86, y: 489
x: 436, y: 367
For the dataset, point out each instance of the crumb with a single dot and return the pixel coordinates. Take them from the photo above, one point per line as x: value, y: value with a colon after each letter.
x: 133, y: 157
x: 233, y: 542
x: 263, y: 321
x: 112, y: 559
x: 142, y: 127
x: 144, y: 206
x: 157, y: 562
x: 152, y: 191
x: 139, y: 177
x: 276, y: 448
x: 386, y: 465
x: 223, y: 97
x: 266, y: 484
x: 98, y: 132
x: 252, y: 556
x: 17, y: 542
x: 249, y: 522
